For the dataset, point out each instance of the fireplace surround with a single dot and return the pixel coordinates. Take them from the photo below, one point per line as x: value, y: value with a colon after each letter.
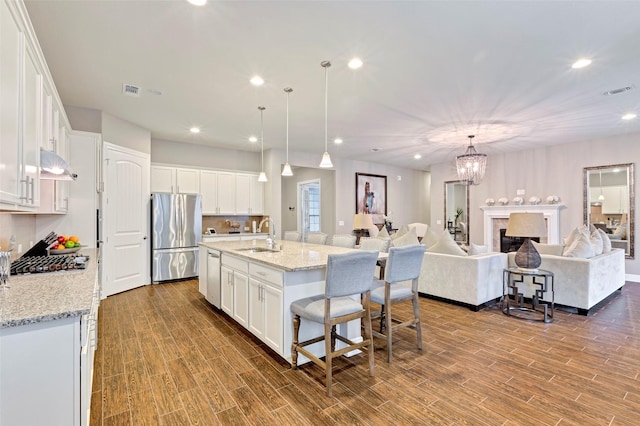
x: 496, y: 218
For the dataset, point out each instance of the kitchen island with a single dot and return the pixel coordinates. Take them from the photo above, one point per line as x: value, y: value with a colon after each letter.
x: 48, y: 335
x: 257, y: 287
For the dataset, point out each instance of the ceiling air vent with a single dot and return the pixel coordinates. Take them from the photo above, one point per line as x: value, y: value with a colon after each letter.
x: 617, y: 91
x: 131, y: 90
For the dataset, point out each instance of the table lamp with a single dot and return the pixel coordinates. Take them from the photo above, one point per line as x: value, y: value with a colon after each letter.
x: 360, y: 222
x: 527, y: 225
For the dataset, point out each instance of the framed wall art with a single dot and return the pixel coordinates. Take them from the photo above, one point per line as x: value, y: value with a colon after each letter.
x: 371, y: 195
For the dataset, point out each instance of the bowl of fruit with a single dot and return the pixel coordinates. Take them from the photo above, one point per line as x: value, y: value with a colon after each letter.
x: 65, y: 245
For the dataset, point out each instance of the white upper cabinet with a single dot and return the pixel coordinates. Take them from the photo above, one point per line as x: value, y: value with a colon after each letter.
x: 249, y: 194
x: 226, y: 193
x: 175, y: 180
x: 163, y: 179
x: 209, y: 191
x: 188, y: 181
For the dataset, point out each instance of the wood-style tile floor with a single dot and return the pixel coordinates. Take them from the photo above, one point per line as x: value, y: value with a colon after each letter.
x: 166, y: 357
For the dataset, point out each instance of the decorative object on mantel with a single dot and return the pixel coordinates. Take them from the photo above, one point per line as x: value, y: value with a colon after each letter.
x: 527, y: 225
x: 286, y: 170
x: 553, y: 199
x: 490, y: 201
x: 471, y: 165
x: 263, y: 176
x: 518, y: 201
x: 503, y: 201
x: 326, y: 159
x: 534, y: 201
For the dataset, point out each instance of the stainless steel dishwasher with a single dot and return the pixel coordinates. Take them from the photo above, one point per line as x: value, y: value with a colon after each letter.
x: 213, y: 277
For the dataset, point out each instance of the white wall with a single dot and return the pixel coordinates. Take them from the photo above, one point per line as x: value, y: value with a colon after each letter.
x: 121, y: 132
x: 169, y: 152
x: 327, y: 200
x: 556, y: 170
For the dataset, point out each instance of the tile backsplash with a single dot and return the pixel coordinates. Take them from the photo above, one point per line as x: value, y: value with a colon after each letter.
x: 22, y: 226
x: 218, y: 222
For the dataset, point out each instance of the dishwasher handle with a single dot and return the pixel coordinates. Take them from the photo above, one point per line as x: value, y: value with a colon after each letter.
x: 214, y: 254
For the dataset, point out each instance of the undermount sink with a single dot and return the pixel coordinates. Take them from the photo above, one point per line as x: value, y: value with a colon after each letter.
x: 256, y: 249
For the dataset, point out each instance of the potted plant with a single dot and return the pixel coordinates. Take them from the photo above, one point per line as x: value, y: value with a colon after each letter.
x: 459, y: 213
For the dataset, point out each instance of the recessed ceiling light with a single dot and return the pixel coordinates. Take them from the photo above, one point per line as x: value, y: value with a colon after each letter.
x: 253, y: 139
x: 417, y: 156
x: 194, y: 130
x: 581, y: 63
x: 629, y: 116
x: 256, y: 80
x: 375, y: 149
x: 198, y: 2
x: 355, y: 63
x: 337, y: 141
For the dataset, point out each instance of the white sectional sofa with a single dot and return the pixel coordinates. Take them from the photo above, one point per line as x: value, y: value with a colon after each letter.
x: 472, y: 281
x: 583, y: 283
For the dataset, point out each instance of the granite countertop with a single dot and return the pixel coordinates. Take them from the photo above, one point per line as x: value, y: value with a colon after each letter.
x: 34, y: 298
x: 293, y: 256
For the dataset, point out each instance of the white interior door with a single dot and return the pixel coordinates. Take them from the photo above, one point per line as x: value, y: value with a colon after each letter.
x: 125, y: 219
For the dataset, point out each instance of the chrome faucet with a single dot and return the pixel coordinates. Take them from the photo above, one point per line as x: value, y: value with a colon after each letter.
x: 272, y: 226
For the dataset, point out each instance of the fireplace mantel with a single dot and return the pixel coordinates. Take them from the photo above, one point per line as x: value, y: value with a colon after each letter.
x: 551, y: 213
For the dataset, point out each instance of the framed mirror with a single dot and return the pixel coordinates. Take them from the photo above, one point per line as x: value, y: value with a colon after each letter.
x: 608, y: 194
x: 456, y: 210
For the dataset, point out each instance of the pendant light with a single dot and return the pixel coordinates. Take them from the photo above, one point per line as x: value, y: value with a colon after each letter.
x: 326, y: 159
x: 601, y: 197
x: 286, y: 170
x: 262, y: 177
x: 471, y: 165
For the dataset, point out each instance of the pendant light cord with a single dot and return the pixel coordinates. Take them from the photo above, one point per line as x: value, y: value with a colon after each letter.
x: 261, y: 108
x: 288, y: 90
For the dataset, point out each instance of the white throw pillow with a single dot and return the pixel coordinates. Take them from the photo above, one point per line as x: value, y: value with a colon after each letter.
x: 408, y: 239
x: 477, y: 249
x: 373, y: 231
x: 596, y: 242
x: 582, y: 229
x: 553, y: 249
x: 383, y: 233
x: 606, y: 242
x: 400, y: 232
x: 622, y: 231
x: 581, y: 247
x: 446, y: 245
x: 430, y: 238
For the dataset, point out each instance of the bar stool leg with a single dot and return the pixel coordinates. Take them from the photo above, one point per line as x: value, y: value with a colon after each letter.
x: 294, y: 345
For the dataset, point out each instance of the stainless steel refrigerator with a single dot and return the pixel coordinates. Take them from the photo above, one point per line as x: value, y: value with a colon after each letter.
x: 176, y: 230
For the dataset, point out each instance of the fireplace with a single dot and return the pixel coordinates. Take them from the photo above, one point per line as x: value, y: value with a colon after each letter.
x: 497, y: 217
x: 509, y: 244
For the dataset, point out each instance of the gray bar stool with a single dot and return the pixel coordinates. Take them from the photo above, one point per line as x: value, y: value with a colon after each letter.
x: 348, y: 274
x: 403, y: 264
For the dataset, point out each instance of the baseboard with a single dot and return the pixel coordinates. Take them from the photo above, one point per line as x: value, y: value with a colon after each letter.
x: 634, y: 278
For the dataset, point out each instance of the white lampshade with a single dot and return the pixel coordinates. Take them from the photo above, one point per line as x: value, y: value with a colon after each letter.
x: 286, y: 170
x: 362, y: 221
x: 262, y: 177
x: 526, y: 225
x: 326, y: 160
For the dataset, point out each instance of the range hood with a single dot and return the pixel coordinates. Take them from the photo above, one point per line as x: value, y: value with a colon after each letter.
x: 53, y: 167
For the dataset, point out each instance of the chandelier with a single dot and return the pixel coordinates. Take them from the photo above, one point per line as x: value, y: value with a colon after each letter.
x: 471, y: 165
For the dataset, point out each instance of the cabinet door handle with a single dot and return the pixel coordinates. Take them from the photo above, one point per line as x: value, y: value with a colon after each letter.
x: 31, y: 183
x: 26, y: 189
x: 261, y: 273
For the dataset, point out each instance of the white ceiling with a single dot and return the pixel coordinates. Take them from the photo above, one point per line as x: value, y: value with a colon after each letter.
x: 434, y: 71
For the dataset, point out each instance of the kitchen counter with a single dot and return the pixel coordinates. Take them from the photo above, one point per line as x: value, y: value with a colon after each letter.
x: 294, y: 256
x: 233, y: 234
x: 34, y: 298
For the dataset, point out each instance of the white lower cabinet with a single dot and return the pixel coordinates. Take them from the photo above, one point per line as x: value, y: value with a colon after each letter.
x: 265, y: 312
x: 234, y: 289
x: 47, y: 371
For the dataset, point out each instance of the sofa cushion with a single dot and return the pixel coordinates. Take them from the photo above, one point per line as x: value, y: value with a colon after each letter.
x: 407, y: 239
x: 581, y: 247
x: 446, y: 245
x: 596, y: 242
x: 554, y: 249
x: 582, y: 229
x: 430, y: 238
x: 622, y: 231
x: 477, y: 249
x: 606, y: 242
x: 383, y: 233
x: 400, y: 232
